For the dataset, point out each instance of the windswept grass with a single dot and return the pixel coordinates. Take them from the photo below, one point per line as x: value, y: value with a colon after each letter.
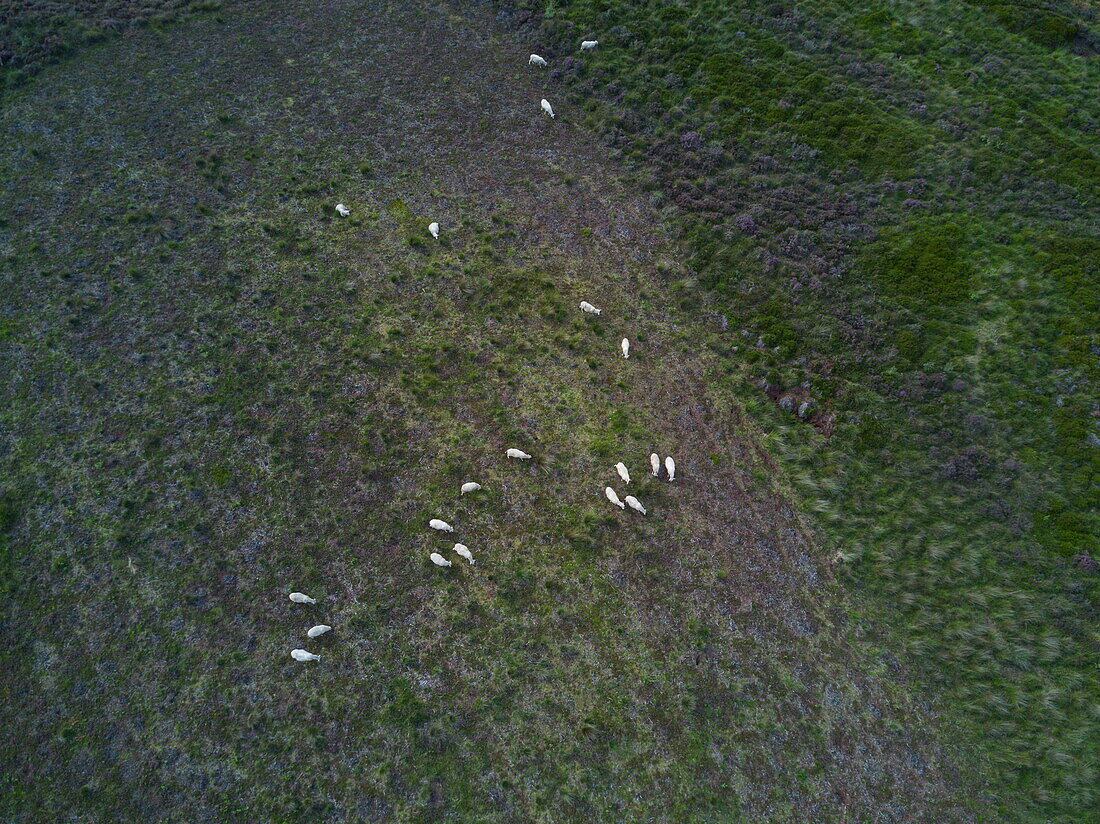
x: 221, y: 392
x: 892, y: 212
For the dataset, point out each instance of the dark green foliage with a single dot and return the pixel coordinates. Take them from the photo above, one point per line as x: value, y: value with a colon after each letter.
x: 1046, y: 22
x: 923, y: 263
x: 9, y: 512
x: 742, y: 90
x: 1065, y: 532
x: 910, y: 344
x: 1073, y: 263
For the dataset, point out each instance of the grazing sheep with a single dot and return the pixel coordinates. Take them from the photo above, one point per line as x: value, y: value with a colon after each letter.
x: 635, y: 504
x: 611, y: 496
x: 318, y: 631
x: 625, y: 345
x: 670, y: 467
x: 588, y: 45
x: 433, y: 227
x: 655, y: 463
x: 620, y: 467
x: 464, y: 551
x: 442, y: 526
x: 518, y: 453
x: 439, y: 560
x: 536, y: 60
x: 302, y: 655
x: 299, y: 598
x: 546, y: 107
x: 590, y: 309
x: 470, y: 487
x: 342, y: 210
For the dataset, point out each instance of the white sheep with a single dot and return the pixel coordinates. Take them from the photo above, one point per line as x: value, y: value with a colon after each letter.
x: 625, y: 346
x: 439, y: 560
x: 655, y: 463
x: 536, y: 60
x: 471, y: 486
x: 299, y: 598
x: 611, y: 496
x: 590, y: 309
x: 464, y: 551
x: 588, y: 45
x: 342, y: 210
x: 318, y: 631
x: 518, y: 453
x: 433, y: 228
x: 442, y: 526
x: 635, y: 504
x: 670, y: 467
x: 620, y: 467
x: 546, y: 107
x: 302, y: 655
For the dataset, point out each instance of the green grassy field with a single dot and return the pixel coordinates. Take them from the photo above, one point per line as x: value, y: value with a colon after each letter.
x: 219, y: 391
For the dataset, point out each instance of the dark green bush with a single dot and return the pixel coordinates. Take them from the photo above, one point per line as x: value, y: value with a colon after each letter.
x: 1065, y: 532
x: 910, y: 345
x: 924, y: 263
x: 1040, y: 25
x: 1074, y: 265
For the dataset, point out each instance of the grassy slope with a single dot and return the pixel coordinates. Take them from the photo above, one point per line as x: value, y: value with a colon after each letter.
x: 898, y: 206
x: 38, y: 33
x: 220, y: 392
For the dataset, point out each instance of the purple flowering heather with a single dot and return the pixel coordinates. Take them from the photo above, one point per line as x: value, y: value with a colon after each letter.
x: 691, y: 141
